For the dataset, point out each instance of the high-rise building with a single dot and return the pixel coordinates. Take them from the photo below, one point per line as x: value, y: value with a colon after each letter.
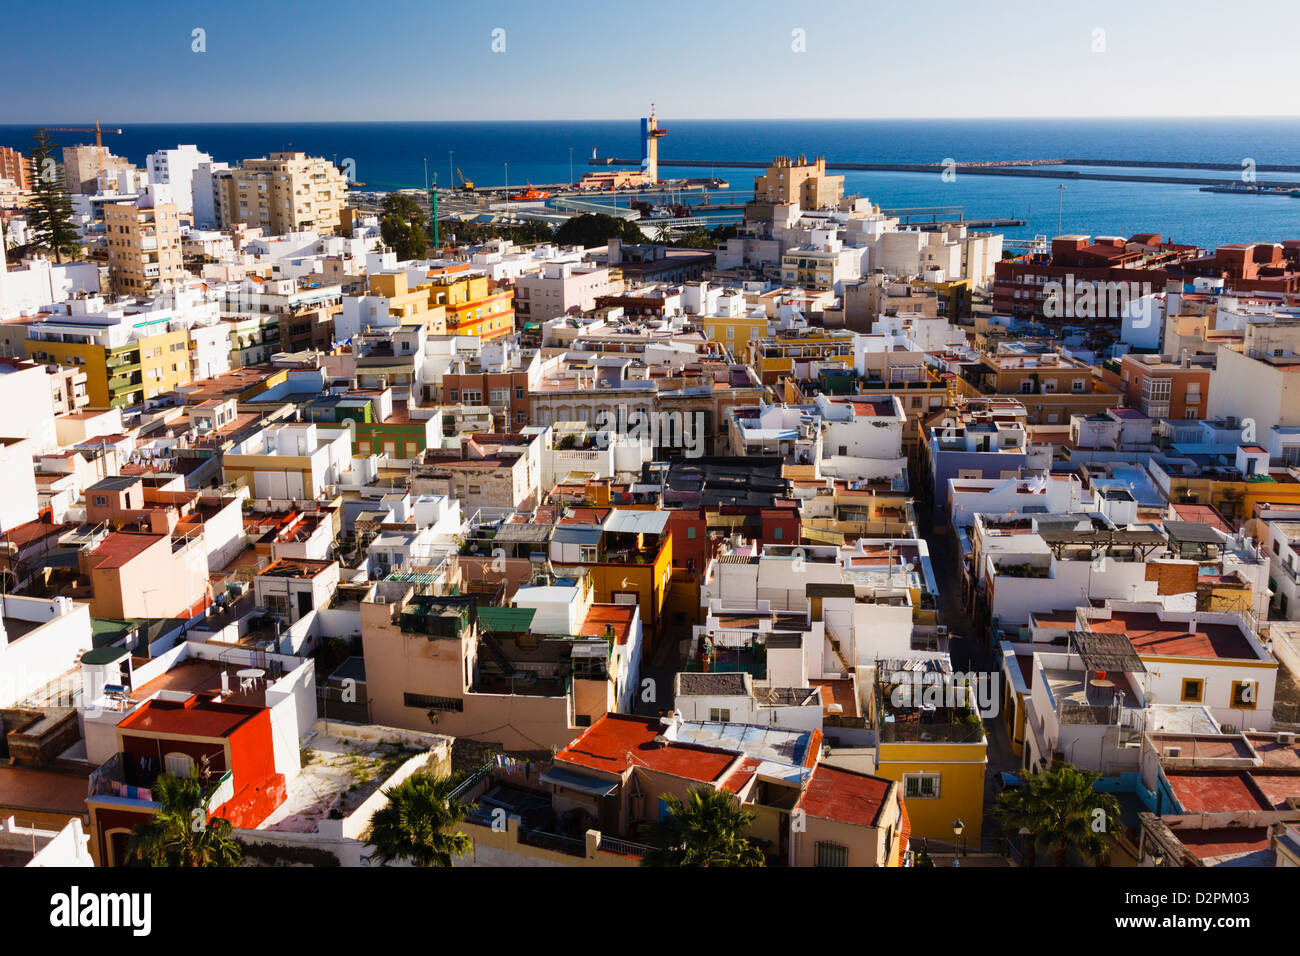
x: 13, y: 166
x: 174, y: 168
x: 288, y: 192
x: 144, y: 246
x: 82, y: 166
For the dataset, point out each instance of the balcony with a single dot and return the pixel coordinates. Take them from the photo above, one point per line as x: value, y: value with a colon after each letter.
x: 122, y: 775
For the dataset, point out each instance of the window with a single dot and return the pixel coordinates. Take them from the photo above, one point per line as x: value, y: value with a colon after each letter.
x: 778, y: 533
x: 102, y: 500
x: 690, y: 535
x: 720, y: 715
x: 178, y: 764
x: 1245, y: 694
x: 521, y: 418
x: 921, y: 786
x: 455, y: 395
x: 434, y: 703
x: 582, y: 720
x: 1193, y: 688
x: 519, y: 393
x: 832, y: 854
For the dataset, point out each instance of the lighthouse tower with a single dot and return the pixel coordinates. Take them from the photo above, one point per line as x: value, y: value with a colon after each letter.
x: 650, y: 133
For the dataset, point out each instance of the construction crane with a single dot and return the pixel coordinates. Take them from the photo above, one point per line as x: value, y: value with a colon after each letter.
x: 466, y: 185
x: 99, y: 133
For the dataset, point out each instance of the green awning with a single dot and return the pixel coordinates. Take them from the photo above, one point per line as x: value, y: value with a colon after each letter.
x: 105, y: 655
x: 506, y: 620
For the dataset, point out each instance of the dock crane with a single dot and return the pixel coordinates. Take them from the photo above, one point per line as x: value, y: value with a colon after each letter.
x: 466, y: 185
x: 99, y: 133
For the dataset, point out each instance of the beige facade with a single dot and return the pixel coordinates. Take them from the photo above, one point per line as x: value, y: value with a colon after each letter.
x: 798, y: 181
x: 288, y: 192
x: 83, y: 164
x: 144, y: 246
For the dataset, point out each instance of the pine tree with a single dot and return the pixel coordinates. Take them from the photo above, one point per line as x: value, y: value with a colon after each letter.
x: 50, y: 214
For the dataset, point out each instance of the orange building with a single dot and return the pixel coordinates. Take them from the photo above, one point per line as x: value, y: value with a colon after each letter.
x: 13, y: 166
x: 1161, y: 386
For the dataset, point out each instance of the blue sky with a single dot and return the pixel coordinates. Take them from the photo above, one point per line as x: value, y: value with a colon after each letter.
x: 132, y: 62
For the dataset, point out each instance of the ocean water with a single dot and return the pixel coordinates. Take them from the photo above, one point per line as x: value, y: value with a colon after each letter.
x: 394, y: 155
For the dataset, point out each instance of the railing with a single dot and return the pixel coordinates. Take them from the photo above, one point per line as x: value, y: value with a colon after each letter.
x: 468, y: 784
x: 1072, y: 713
x: 625, y: 847
x: 553, y: 841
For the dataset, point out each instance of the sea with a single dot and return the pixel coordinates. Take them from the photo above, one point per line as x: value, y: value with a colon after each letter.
x: 387, y: 156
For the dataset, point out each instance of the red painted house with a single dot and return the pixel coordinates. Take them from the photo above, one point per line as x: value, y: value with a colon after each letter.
x: 175, y: 736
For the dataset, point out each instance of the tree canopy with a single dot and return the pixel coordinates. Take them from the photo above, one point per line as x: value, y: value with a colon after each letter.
x: 596, y: 229
x: 707, y: 829
x: 1061, y: 812
x: 180, y: 833
x: 418, y: 823
x: 50, y: 212
x: 404, y: 227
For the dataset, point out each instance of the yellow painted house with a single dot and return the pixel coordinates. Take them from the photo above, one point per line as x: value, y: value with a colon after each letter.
x: 939, y: 757
x: 774, y: 357
x: 734, y: 332
x: 474, y: 307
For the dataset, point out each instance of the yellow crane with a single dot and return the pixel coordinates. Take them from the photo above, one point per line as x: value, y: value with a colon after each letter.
x: 466, y: 185
x: 99, y: 133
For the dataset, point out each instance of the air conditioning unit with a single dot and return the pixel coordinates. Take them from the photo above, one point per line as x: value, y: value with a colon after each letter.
x: 941, y: 630
x: 1286, y: 738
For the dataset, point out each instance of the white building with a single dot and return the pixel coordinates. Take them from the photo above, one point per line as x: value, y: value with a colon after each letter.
x: 176, y: 168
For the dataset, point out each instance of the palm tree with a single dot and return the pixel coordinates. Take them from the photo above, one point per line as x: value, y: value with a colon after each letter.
x: 1063, y: 813
x: 180, y: 833
x: 417, y: 823
x: 704, y: 830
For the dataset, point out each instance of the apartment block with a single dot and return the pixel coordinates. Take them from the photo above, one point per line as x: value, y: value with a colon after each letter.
x: 144, y: 246
x: 283, y: 193
x: 13, y: 167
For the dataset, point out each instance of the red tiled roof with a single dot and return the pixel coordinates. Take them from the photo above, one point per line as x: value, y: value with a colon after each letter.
x: 1152, y: 636
x: 844, y: 796
x: 1214, y: 792
x: 1223, y: 841
x: 741, y: 775
x: 191, y: 718
x: 904, y: 830
x: 121, y: 547
x: 619, y: 616
x: 619, y: 741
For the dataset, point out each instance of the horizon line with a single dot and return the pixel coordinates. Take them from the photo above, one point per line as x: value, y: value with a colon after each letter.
x: 685, y: 119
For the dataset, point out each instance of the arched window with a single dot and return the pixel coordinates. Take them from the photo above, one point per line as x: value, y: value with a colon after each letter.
x: 178, y: 764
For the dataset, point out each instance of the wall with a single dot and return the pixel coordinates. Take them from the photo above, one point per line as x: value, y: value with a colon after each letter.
x: 44, y: 653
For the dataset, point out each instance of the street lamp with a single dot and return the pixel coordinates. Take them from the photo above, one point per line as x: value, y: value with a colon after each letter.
x: 570, y: 167
x: 957, y: 828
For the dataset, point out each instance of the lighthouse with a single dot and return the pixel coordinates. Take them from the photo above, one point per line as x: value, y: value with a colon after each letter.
x: 650, y: 133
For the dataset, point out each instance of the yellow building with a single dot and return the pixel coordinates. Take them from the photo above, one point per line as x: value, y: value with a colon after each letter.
x: 734, y: 332
x: 473, y: 307
x: 122, y: 375
x: 937, y: 753
x: 775, y: 357
x: 418, y: 306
